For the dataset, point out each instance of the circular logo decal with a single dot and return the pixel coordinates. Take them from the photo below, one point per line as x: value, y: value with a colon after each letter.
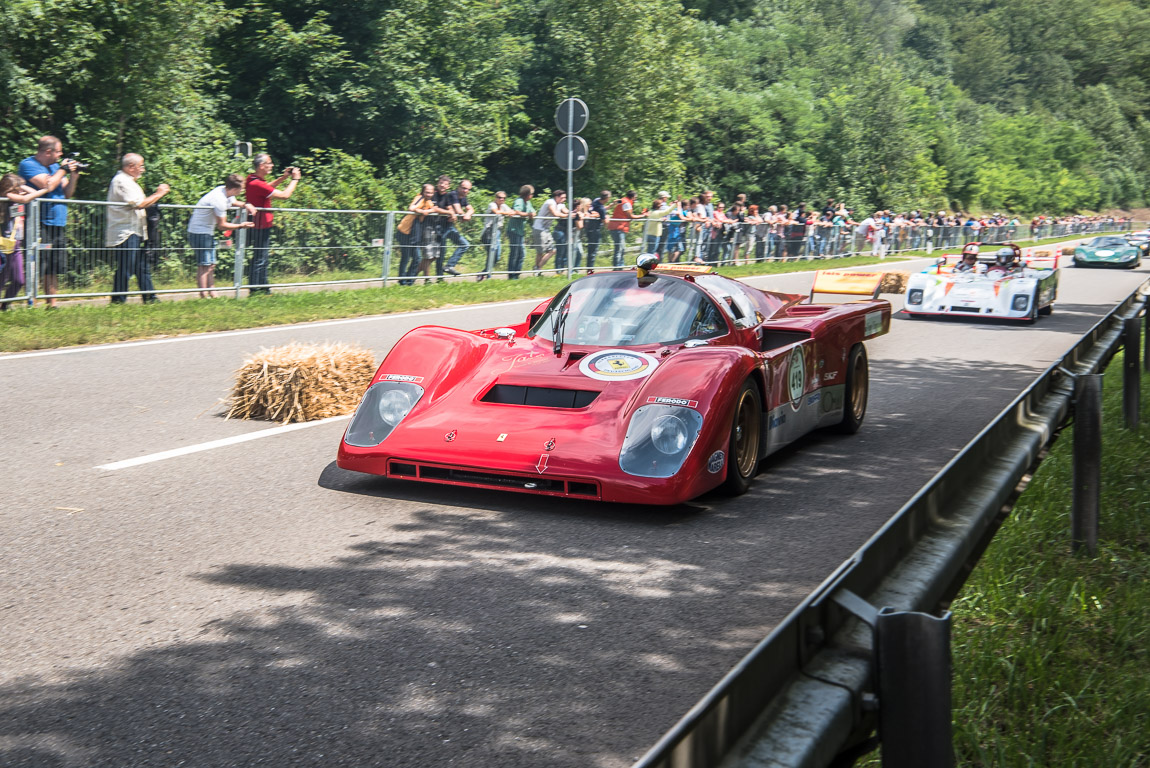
x: 617, y: 365
x: 797, y: 378
x: 715, y: 463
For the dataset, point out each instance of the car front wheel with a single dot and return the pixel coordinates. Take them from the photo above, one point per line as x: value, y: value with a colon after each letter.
x: 857, y: 391
x: 746, y: 437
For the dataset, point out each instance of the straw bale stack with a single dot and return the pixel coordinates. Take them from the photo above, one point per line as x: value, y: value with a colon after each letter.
x: 894, y: 282
x: 1068, y: 251
x: 301, y: 382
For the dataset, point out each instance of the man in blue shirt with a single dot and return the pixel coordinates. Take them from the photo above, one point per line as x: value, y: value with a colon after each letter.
x: 44, y: 171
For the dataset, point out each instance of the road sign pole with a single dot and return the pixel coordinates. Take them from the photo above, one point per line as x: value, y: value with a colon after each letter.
x: 570, y: 191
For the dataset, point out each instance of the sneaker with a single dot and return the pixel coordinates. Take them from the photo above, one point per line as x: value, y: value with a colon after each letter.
x: 452, y: 271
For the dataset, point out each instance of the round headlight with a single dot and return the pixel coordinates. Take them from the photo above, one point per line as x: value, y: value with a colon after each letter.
x: 394, y: 405
x: 669, y: 435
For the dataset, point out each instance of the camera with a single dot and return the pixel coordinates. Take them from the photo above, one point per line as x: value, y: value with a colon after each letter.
x: 74, y: 157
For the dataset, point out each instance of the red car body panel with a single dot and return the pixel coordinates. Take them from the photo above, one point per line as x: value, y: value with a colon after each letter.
x: 453, y: 436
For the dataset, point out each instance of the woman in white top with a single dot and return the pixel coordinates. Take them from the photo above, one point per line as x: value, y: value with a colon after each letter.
x: 492, y: 235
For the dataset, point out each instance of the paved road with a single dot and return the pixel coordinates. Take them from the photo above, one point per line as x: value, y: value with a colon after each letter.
x: 254, y: 605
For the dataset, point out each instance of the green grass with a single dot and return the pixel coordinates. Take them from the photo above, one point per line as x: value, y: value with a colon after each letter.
x: 1052, y: 651
x: 80, y: 322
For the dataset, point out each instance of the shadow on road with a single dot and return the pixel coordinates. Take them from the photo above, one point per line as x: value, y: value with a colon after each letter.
x: 493, y: 629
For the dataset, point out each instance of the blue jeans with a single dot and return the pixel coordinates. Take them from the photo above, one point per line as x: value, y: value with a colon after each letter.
x: 559, y: 235
x: 494, y: 250
x: 515, y: 254
x: 651, y: 244
x: 258, y: 241
x: 594, y: 236
x: 461, y: 245
x: 130, y: 261
x: 620, y: 239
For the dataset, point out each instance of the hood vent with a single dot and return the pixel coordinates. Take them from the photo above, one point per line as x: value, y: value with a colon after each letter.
x: 544, y: 397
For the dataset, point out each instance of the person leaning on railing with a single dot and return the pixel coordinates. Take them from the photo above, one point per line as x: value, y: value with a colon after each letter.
x: 14, y: 195
x: 211, y: 213
x: 497, y: 211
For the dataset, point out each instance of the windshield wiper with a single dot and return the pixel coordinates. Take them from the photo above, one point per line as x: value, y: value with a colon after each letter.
x: 559, y: 321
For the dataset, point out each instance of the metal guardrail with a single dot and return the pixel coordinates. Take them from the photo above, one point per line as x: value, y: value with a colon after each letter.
x: 805, y: 694
x: 309, y: 247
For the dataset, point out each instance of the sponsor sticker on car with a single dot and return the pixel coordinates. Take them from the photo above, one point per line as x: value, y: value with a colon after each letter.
x: 401, y: 377
x: 873, y: 323
x: 673, y: 401
x: 715, y: 463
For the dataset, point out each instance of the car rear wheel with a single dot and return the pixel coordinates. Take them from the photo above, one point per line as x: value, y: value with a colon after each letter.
x: 857, y: 391
x: 744, y: 443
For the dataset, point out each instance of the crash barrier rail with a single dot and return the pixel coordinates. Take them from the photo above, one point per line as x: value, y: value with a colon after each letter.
x: 867, y: 647
x: 332, y: 246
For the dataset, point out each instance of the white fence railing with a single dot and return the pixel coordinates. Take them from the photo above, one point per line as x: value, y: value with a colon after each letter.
x: 330, y: 247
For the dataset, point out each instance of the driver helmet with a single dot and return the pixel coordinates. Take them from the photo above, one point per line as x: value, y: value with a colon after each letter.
x: 1004, y: 257
x: 970, y: 249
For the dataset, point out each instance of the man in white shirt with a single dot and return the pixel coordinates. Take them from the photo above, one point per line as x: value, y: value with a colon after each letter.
x: 212, y: 212
x: 552, y: 212
x: 126, y: 228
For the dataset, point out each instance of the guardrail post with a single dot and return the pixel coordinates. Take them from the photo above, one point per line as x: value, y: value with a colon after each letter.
x: 1146, y: 334
x: 388, y: 239
x: 912, y: 652
x: 1131, y: 375
x: 238, y: 265
x: 1087, y: 463
x: 32, y: 254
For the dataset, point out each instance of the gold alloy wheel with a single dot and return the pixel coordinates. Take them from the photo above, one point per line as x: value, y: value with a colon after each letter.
x: 860, y: 384
x: 747, y: 425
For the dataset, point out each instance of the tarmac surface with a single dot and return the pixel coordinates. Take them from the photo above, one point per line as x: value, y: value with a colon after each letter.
x: 252, y: 604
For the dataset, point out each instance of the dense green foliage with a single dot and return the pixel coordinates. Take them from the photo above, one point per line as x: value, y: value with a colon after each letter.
x: 930, y: 103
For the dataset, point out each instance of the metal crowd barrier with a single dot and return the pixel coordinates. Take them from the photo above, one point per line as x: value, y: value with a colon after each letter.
x: 814, y: 690
x: 331, y: 247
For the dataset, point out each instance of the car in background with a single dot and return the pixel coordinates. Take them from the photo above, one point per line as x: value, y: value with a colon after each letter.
x: 650, y: 386
x: 1108, y: 251
x: 1003, y: 286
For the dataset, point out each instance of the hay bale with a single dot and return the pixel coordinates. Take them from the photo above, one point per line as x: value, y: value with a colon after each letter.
x: 894, y: 282
x: 1069, y: 251
x: 301, y: 382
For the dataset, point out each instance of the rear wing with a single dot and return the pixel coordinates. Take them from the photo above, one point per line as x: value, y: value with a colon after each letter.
x: 841, y: 283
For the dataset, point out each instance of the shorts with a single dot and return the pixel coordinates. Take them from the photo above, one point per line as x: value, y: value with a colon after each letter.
x: 674, y: 243
x: 53, y: 251
x: 204, y: 247
x: 541, y: 239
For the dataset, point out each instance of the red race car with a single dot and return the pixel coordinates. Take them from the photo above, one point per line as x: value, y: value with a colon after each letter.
x: 645, y: 387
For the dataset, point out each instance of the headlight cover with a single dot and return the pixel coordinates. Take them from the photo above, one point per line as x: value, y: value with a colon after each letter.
x: 383, y: 407
x: 914, y: 296
x: 1020, y: 302
x: 659, y: 439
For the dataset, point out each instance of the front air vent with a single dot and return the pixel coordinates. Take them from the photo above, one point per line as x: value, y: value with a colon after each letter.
x: 543, y: 397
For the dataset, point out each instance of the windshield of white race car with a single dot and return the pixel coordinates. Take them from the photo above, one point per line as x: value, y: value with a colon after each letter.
x: 620, y: 310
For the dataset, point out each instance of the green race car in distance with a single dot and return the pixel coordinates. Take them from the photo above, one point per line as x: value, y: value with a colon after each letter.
x: 1108, y: 251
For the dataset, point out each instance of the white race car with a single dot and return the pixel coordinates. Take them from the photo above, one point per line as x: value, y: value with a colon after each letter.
x: 1001, y: 286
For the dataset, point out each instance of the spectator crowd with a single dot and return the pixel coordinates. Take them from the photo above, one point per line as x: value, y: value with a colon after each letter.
x: 437, y: 227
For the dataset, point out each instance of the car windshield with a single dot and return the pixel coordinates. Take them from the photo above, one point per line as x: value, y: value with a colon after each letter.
x: 1108, y: 242
x: 620, y: 310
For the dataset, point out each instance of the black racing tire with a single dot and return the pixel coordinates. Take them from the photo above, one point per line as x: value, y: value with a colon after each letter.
x: 1047, y: 310
x: 1033, y: 317
x: 857, y: 391
x: 744, y: 445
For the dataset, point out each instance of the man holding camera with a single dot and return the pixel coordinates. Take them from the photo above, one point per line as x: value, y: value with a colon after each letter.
x: 259, y: 192
x: 126, y: 228
x: 44, y: 171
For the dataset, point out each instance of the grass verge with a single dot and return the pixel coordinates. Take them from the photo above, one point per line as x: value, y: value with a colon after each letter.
x: 76, y: 323
x: 1052, y: 651
x: 23, y: 329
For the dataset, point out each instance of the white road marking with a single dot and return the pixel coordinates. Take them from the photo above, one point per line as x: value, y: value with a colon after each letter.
x: 217, y: 443
x: 269, y: 329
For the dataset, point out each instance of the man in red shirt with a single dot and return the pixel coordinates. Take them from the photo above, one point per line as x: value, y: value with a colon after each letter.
x: 620, y: 224
x: 259, y: 192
